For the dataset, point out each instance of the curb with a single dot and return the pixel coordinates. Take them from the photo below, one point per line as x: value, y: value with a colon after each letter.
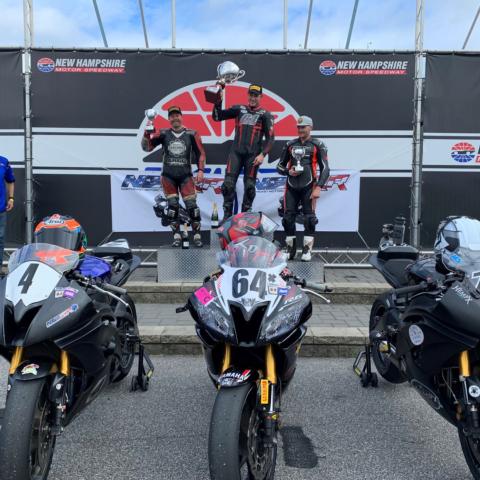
x: 343, y: 292
x: 318, y: 342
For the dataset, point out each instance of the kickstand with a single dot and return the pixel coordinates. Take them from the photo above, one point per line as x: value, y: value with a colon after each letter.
x: 142, y: 379
x: 367, y: 377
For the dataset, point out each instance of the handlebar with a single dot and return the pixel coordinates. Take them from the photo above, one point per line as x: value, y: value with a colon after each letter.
x: 320, y: 287
x: 421, y: 287
x: 114, y: 289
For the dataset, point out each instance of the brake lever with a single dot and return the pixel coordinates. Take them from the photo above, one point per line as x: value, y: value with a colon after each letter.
x: 181, y: 309
x: 326, y: 300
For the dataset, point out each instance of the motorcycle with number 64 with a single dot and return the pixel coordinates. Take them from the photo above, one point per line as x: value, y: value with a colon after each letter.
x: 250, y: 317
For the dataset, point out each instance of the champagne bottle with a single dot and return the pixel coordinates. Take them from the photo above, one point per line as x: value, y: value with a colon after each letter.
x: 214, y: 218
x: 185, y: 242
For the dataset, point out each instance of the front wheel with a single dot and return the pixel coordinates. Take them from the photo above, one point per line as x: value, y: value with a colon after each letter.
x: 236, y: 449
x: 471, y: 452
x: 26, y: 439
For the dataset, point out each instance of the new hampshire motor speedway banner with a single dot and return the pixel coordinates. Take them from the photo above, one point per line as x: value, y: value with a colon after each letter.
x: 89, y: 116
x: 133, y: 198
x: 451, y: 148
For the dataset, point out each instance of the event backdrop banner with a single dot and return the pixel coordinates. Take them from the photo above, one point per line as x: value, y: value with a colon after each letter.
x: 134, y: 195
x: 11, y: 134
x: 451, y: 148
x: 89, y: 118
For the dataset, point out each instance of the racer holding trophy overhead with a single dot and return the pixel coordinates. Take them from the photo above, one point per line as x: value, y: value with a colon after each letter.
x: 254, y: 138
x: 180, y: 147
x: 301, y: 158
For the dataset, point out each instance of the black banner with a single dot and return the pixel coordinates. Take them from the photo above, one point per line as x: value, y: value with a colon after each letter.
x: 452, y: 93
x: 11, y: 91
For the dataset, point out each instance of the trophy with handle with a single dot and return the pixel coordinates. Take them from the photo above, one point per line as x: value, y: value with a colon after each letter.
x: 298, y: 153
x: 227, y: 72
x: 151, y: 113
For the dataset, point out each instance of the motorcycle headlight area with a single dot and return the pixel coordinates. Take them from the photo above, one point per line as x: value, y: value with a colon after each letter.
x: 281, y: 323
x: 215, y: 320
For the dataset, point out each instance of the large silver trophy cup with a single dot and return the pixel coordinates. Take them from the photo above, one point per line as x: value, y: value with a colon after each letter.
x: 298, y: 153
x: 227, y: 72
x: 151, y: 113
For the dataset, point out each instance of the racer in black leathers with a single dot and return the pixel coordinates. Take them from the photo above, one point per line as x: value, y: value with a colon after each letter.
x: 303, y: 187
x: 181, y: 147
x: 253, y: 140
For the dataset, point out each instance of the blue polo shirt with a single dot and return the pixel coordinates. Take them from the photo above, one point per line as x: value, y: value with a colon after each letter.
x: 6, y: 175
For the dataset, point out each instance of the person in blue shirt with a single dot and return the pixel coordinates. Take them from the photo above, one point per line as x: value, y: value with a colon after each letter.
x: 7, y: 182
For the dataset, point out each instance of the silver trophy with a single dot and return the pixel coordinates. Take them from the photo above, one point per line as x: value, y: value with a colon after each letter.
x: 151, y: 113
x: 227, y: 72
x: 298, y: 153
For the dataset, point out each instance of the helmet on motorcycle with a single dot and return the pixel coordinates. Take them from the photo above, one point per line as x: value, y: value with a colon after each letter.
x: 453, y: 234
x: 243, y: 225
x: 63, y: 231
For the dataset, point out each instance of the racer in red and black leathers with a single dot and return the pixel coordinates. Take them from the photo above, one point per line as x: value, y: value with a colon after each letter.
x: 303, y: 187
x: 253, y: 140
x: 181, y: 148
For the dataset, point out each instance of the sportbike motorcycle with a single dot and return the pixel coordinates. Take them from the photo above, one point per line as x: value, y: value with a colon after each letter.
x: 67, y: 329
x: 250, y: 316
x: 426, y: 330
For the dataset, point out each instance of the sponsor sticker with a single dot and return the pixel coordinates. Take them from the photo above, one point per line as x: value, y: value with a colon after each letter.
x: 416, y: 335
x: 204, y: 296
x: 57, y: 318
x: 272, y: 290
x: 456, y: 258
x: 30, y: 369
x: 67, y: 292
x: 283, y: 290
x: 264, y: 391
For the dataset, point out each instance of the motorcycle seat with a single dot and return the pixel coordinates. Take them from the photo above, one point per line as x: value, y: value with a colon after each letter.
x: 395, y: 271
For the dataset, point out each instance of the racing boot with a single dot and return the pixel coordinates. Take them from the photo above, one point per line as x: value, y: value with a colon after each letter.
x: 291, y: 247
x: 197, y: 240
x: 177, y: 240
x: 307, y: 249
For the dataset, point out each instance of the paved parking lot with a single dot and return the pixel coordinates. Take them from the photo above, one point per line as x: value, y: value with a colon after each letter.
x: 332, y: 429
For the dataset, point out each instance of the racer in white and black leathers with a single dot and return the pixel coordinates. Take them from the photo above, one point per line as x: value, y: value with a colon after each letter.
x: 254, y: 138
x: 303, y: 187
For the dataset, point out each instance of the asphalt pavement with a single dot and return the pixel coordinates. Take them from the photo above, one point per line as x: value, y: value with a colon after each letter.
x: 332, y: 429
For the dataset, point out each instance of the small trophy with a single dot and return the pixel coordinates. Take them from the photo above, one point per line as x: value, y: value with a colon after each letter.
x: 151, y: 113
x: 227, y: 72
x: 298, y: 153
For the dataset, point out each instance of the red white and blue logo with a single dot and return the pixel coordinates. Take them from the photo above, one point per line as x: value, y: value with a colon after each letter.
x: 328, y: 67
x: 463, y: 152
x: 46, y: 65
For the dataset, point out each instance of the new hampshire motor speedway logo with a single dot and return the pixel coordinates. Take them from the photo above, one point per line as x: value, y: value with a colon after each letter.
x: 81, y: 65
x: 363, y: 67
x: 464, y: 152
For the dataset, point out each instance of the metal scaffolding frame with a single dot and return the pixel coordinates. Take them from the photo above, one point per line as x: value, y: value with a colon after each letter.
x: 307, y: 29
x: 352, y: 23
x: 144, y: 26
x: 470, y: 30
x: 100, y: 24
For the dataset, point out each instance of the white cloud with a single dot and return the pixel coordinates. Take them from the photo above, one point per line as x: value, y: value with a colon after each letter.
x: 242, y: 24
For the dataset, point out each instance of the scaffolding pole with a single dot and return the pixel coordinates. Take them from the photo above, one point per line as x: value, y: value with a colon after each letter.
x: 100, y: 24
x: 144, y: 26
x: 309, y: 19
x: 27, y: 77
x: 174, y: 24
x: 417, y: 162
x: 285, y: 24
x: 352, y: 22
x: 471, y: 29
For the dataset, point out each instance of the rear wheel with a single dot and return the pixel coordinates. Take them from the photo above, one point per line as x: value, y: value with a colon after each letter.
x: 471, y: 451
x: 384, y: 366
x: 236, y: 449
x: 26, y: 439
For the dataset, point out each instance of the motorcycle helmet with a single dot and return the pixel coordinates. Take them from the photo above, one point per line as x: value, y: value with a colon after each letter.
x: 63, y: 231
x: 455, y: 234
x: 243, y: 225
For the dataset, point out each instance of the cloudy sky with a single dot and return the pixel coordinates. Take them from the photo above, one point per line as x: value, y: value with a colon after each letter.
x: 381, y: 24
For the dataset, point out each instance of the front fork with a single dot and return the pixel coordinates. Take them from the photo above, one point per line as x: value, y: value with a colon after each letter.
x: 470, y: 390
x: 267, y: 397
x: 59, y: 388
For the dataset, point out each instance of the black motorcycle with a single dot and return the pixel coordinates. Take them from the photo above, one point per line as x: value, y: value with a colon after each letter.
x: 427, y: 331
x: 66, y: 336
x: 250, y: 317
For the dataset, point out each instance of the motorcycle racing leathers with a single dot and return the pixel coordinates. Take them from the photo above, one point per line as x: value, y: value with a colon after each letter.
x: 299, y: 189
x: 180, y: 149
x: 253, y: 135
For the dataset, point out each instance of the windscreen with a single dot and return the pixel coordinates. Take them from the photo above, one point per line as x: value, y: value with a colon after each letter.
x: 61, y: 259
x: 252, y: 252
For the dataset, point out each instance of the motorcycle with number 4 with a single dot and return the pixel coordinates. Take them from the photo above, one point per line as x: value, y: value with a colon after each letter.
x: 250, y: 317
x: 66, y: 336
x: 426, y: 330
